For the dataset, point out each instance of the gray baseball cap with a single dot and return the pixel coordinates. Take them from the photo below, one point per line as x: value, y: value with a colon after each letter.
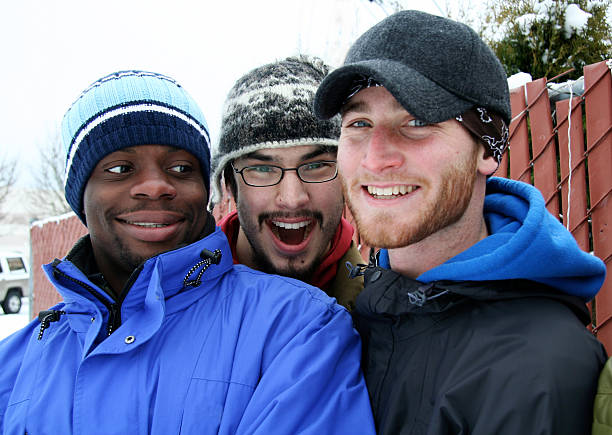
x: 435, y: 68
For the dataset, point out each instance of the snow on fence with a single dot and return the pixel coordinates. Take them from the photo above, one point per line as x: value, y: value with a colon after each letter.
x: 564, y: 149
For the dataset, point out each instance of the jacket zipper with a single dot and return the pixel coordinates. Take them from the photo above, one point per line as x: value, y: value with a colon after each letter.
x: 114, y: 308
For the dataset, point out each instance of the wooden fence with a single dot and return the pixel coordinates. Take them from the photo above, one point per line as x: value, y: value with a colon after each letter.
x: 573, y: 171
x: 565, y: 150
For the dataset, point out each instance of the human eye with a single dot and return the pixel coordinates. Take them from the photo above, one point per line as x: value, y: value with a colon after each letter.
x: 358, y: 124
x: 260, y: 169
x: 181, y: 169
x: 119, y: 169
x: 417, y: 123
x: 313, y: 166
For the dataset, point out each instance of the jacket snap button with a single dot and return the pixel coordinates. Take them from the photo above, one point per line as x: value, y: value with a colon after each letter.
x: 375, y: 276
x: 129, y: 339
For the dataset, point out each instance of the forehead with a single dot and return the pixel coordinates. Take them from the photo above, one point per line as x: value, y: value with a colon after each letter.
x: 291, y: 154
x: 369, y: 99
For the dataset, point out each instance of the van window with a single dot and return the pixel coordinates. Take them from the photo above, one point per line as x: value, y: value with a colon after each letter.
x: 15, y: 264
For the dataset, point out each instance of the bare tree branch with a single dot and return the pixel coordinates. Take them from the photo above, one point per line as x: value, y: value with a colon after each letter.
x: 8, y: 176
x: 389, y: 7
x: 47, y: 197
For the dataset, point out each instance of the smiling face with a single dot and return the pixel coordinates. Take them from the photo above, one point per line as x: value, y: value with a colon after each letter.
x: 141, y: 201
x: 404, y: 179
x: 287, y: 228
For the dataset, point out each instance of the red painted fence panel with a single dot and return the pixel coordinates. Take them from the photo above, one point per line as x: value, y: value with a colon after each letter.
x: 598, y: 106
x: 578, y: 190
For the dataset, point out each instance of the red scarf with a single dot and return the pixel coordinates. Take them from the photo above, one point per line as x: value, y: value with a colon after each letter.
x: 326, y: 272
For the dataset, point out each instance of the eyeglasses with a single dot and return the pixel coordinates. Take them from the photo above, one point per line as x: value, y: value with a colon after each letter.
x: 269, y: 175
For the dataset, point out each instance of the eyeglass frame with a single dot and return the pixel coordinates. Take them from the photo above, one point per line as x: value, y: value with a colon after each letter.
x: 283, y: 170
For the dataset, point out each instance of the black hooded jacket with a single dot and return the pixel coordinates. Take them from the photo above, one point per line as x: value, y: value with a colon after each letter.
x: 481, y: 358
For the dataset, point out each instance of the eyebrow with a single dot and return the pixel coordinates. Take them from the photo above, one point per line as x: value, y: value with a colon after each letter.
x: 354, y: 106
x: 267, y: 158
x: 363, y: 106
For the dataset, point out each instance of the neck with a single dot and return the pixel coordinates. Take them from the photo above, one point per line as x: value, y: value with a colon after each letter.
x: 115, y: 278
x: 415, y: 259
x: 244, y: 250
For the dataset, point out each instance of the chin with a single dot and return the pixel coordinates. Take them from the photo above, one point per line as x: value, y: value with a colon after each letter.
x: 302, y: 271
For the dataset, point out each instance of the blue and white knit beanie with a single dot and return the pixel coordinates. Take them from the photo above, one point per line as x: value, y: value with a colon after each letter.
x: 125, y: 109
x: 271, y: 107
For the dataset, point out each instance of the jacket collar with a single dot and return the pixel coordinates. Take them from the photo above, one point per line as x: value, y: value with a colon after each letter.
x: 171, y: 273
x: 388, y: 293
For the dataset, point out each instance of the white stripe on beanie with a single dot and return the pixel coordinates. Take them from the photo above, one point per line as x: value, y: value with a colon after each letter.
x: 146, y: 107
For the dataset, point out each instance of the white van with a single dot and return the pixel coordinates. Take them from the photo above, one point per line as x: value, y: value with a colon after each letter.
x: 14, y: 281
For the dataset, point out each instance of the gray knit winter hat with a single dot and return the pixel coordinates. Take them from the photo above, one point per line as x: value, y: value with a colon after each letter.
x: 271, y: 107
x: 435, y: 68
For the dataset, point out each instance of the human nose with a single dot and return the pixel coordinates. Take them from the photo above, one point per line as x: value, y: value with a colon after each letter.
x: 382, y: 151
x: 153, y: 183
x: 292, y: 193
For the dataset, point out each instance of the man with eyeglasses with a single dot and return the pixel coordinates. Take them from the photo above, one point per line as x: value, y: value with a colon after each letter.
x: 278, y: 162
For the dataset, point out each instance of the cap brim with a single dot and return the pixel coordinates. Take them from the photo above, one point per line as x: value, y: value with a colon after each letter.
x: 420, y: 96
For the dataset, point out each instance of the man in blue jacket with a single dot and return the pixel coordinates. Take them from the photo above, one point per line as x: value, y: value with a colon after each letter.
x: 158, y: 332
x: 473, y: 317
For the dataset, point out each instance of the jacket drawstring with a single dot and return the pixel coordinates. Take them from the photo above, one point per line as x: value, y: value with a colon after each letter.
x: 208, y: 259
x: 423, y: 294
x: 356, y: 270
x: 46, y: 317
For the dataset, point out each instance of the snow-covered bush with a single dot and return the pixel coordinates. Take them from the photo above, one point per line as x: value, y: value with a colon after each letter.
x: 546, y: 38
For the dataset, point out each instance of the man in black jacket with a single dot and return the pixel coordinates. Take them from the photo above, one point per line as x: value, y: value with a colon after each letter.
x: 473, y: 315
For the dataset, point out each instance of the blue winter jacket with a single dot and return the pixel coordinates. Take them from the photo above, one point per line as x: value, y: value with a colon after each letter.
x: 242, y: 353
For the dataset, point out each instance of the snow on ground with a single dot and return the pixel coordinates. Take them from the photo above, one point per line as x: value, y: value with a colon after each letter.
x: 10, y: 323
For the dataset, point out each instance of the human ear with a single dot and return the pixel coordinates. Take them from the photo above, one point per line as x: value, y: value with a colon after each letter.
x: 486, y: 164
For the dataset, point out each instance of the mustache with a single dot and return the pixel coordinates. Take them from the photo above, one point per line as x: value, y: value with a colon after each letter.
x: 316, y: 215
x: 365, y: 179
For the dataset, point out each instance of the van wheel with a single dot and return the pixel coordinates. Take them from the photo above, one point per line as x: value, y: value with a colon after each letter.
x: 12, y: 302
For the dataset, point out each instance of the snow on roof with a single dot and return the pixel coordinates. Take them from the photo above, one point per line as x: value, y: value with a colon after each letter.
x: 54, y: 219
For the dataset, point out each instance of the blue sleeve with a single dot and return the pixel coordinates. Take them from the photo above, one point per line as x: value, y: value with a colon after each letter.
x: 314, y: 383
x: 12, y: 351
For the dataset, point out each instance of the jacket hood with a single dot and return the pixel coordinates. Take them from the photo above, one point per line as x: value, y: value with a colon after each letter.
x: 525, y: 242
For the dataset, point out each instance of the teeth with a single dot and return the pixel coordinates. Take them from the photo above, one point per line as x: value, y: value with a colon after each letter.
x: 288, y: 226
x: 148, y: 224
x: 390, y: 191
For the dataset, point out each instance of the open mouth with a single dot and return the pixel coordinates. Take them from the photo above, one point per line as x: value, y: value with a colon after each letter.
x: 391, y: 192
x: 291, y: 233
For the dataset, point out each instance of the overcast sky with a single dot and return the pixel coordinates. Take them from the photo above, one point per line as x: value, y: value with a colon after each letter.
x: 52, y: 50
